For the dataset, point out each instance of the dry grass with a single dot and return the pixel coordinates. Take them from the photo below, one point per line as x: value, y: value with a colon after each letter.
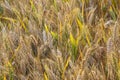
x: 59, y: 40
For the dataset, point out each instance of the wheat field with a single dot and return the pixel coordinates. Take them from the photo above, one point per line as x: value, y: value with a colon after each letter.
x: 59, y: 39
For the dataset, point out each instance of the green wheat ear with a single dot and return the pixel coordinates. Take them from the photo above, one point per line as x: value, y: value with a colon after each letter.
x: 1, y: 10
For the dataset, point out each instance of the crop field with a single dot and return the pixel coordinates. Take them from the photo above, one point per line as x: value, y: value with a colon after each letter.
x: 59, y: 39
